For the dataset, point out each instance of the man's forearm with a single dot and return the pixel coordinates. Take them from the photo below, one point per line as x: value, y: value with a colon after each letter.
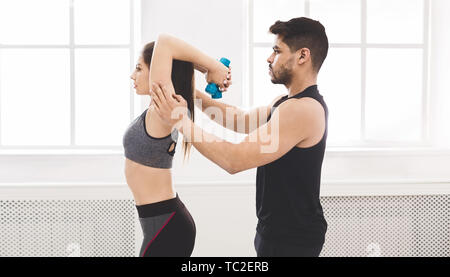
x: 228, y: 116
x: 215, y: 149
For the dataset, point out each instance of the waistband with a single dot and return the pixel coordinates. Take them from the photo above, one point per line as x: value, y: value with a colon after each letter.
x: 159, y: 208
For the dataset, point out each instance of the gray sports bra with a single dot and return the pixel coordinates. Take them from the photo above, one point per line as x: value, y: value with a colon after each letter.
x: 142, y: 148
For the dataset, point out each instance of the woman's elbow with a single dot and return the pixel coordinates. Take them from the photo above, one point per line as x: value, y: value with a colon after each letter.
x: 164, y: 40
x: 163, y: 37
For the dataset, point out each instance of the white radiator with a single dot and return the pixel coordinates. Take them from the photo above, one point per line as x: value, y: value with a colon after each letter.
x: 99, y: 220
x: 67, y: 228
x: 387, y: 225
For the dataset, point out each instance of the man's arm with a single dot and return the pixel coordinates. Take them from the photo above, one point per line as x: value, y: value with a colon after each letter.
x: 232, y: 117
x: 291, y: 123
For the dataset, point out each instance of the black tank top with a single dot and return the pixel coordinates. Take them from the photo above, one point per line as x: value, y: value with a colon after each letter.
x: 287, y: 190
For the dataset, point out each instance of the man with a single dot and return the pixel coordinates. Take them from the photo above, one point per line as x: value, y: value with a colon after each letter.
x: 290, y: 216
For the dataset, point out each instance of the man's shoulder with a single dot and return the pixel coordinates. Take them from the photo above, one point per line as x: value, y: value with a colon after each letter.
x: 302, y: 105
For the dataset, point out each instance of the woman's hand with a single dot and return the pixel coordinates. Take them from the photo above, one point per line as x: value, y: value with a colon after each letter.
x: 171, y: 107
x: 220, y: 75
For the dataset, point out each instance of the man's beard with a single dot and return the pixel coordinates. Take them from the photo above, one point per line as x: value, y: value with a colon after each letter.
x: 283, y: 75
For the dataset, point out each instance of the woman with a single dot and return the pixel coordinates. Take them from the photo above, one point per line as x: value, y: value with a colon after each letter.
x: 150, y: 143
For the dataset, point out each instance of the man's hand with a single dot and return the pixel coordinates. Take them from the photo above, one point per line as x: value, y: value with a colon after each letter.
x: 171, y: 107
x: 221, y: 75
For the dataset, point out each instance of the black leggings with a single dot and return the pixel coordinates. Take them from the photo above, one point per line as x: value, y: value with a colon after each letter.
x: 268, y: 248
x: 168, y: 228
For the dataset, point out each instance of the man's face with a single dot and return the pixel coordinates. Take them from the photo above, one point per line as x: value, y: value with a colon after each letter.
x: 281, y: 63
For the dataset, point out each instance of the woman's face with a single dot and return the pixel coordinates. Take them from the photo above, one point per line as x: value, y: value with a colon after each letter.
x: 140, y: 77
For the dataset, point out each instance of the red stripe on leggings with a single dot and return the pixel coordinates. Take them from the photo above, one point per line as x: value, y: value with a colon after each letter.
x: 158, y: 233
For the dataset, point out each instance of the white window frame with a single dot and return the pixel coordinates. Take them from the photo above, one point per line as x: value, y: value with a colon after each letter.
x: 363, y: 46
x: 135, y: 102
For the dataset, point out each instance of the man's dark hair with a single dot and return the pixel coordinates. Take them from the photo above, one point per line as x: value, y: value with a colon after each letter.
x: 302, y: 32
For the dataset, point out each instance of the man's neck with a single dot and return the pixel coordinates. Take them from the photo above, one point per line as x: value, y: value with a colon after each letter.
x: 299, y: 85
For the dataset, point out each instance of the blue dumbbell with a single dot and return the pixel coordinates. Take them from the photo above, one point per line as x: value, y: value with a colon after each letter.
x: 212, y: 88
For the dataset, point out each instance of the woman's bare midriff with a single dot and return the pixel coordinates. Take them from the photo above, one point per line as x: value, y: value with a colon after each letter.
x: 148, y: 184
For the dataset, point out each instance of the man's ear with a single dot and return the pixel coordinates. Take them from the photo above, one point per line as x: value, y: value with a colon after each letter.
x: 303, y: 55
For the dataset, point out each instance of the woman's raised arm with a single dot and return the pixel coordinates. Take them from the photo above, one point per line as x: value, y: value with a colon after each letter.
x: 168, y: 48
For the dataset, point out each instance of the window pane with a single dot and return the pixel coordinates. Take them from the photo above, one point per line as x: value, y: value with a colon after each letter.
x: 264, y: 91
x: 266, y: 12
x: 114, y: 26
x: 102, y: 90
x: 394, y: 94
x: 337, y: 16
x: 399, y: 21
x: 34, y: 22
x: 341, y: 90
x: 35, y: 100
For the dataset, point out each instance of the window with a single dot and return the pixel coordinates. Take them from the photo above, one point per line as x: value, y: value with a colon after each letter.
x: 64, y: 74
x: 374, y: 78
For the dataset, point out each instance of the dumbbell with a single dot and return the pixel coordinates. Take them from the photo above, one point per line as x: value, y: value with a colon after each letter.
x: 212, y: 88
